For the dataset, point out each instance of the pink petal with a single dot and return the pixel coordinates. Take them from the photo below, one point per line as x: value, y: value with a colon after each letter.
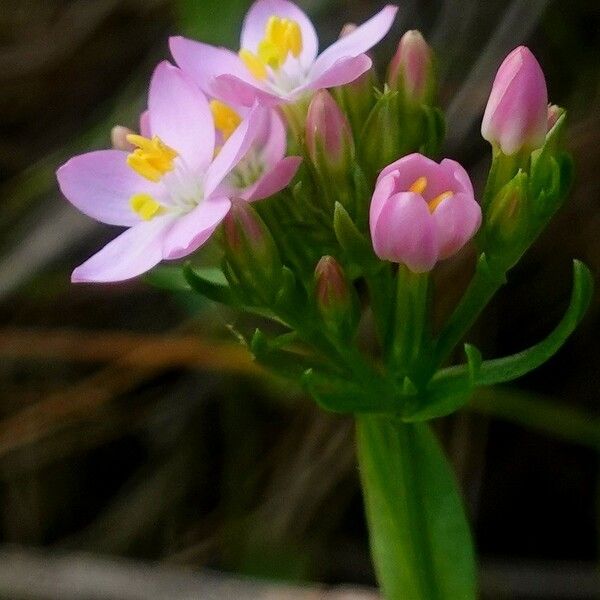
x: 413, y: 166
x: 237, y: 91
x: 100, y: 185
x: 272, y: 141
x: 457, y: 219
x: 192, y: 230
x: 180, y: 116
x: 386, y: 187
x: 256, y: 19
x: 363, y: 38
x: 341, y: 72
x: 203, y: 63
x: 145, y: 124
x: 405, y: 233
x: 134, y: 252
x: 457, y: 172
x: 234, y: 149
x: 274, y: 181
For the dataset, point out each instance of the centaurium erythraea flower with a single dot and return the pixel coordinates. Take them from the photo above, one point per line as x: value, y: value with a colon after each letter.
x: 422, y: 212
x: 278, y: 61
x: 516, y: 115
x: 173, y: 190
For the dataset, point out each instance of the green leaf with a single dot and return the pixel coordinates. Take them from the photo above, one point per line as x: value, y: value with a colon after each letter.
x: 356, y: 247
x: 168, y: 278
x: 451, y: 388
x: 420, y: 537
x: 208, y: 282
x: 344, y: 396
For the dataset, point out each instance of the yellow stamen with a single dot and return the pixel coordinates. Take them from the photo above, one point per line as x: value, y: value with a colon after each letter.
x: 152, y: 158
x: 253, y: 64
x: 282, y: 37
x: 225, y: 118
x: 419, y: 186
x: 145, y: 206
x: 433, y: 204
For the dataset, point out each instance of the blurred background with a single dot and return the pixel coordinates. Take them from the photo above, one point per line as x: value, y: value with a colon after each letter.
x: 137, y: 438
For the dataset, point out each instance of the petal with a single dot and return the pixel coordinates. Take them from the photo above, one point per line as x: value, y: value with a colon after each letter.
x: 457, y: 172
x: 272, y: 140
x: 255, y: 24
x: 145, y: 124
x: 410, y: 168
x: 341, y: 72
x: 405, y: 233
x: 234, y: 149
x: 134, y: 252
x: 100, y: 185
x: 457, y: 219
x: 203, y: 62
x: 180, y: 115
x: 360, y: 40
x: 274, y: 181
x: 385, y: 188
x: 193, y: 229
x: 237, y: 91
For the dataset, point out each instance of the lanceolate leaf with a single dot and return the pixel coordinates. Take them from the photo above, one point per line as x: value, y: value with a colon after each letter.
x: 419, y: 534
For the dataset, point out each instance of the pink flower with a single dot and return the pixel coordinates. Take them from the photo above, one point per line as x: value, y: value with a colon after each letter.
x: 278, y: 59
x: 422, y: 212
x: 171, y: 191
x: 516, y: 112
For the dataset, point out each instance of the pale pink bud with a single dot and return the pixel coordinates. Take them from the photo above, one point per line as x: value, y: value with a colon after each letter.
x: 118, y: 138
x: 328, y: 135
x: 422, y: 212
x: 331, y: 286
x: 516, y: 115
x: 411, y: 68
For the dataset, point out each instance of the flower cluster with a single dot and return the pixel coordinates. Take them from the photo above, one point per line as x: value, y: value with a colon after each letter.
x: 326, y: 194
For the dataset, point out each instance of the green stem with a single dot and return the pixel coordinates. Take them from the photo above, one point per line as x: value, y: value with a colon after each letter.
x: 420, y: 540
x: 410, y: 320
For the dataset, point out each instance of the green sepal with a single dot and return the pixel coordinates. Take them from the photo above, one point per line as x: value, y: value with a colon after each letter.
x: 356, y: 247
x: 270, y: 354
x: 207, y: 282
x: 291, y: 296
x: 168, y: 278
x: 345, y: 396
x: 450, y: 388
x: 434, y: 130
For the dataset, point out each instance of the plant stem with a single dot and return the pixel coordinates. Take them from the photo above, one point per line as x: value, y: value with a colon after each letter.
x: 420, y: 540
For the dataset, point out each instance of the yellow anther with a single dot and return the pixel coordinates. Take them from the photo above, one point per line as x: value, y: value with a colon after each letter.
x: 419, y: 186
x: 282, y: 37
x: 433, y: 204
x: 253, y: 64
x: 145, y: 206
x: 152, y: 158
x: 225, y: 118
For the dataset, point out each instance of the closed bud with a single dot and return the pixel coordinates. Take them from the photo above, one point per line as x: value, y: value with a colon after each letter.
x: 411, y: 71
x: 554, y: 114
x: 516, y: 115
x: 507, y: 222
x: 334, y: 296
x: 250, y: 250
x: 328, y: 136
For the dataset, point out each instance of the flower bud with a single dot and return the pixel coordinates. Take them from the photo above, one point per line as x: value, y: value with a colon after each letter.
x: 411, y: 69
x: 554, y: 113
x: 328, y: 136
x: 507, y: 222
x: 250, y: 249
x: 334, y: 295
x: 422, y: 211
x: 516, y: 115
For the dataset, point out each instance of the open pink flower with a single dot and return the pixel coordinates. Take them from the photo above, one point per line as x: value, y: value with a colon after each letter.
x: 516, y: 114
x: 169, y: 191
x: 422, y: 212
x: 278, y: 59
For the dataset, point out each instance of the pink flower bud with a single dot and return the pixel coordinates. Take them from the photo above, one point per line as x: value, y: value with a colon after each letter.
x: 411, y: 68
x: 328, y: 135
x: 422, y: 212
x: 516, y: 115
x: 331, y: 285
